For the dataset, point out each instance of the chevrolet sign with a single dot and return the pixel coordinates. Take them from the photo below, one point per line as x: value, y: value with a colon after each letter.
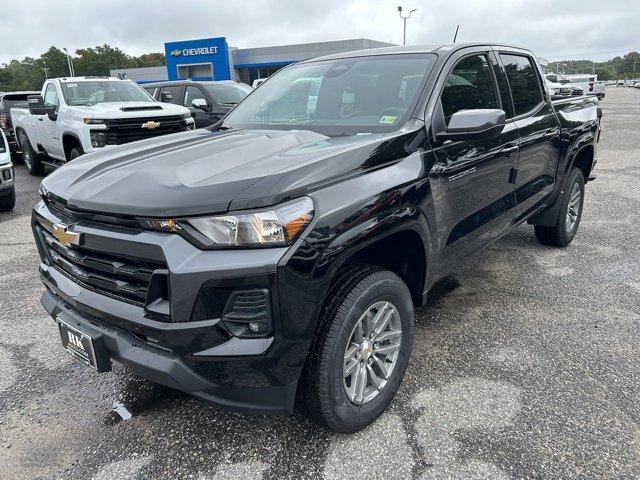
x: 189, y: 52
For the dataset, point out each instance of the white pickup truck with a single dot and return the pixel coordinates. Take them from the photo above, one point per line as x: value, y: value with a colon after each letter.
x: 77, y: 115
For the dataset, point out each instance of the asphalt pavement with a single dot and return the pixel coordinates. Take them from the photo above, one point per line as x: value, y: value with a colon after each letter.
x: 526, y: 364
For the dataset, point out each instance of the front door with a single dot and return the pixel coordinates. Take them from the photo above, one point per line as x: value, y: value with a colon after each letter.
x: 203, y: 114
x: 49, y: 127
x: 471, y: 179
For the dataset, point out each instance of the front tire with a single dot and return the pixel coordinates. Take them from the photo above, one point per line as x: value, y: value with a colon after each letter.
x: 30, y: 158
x: 569, y: 215
x: 75, y: 153
x: 362, y: 350
x: 8, y: 201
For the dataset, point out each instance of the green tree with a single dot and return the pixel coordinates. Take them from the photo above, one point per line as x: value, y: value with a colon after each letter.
x: 55, y: 60
x: 99, y: 60
x: 151, y: 60
x: 605, y: 72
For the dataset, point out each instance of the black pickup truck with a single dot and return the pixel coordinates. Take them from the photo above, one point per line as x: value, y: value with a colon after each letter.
x: 275, y: 259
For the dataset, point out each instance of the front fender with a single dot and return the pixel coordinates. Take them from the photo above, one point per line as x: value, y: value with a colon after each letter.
x: 356, y: 213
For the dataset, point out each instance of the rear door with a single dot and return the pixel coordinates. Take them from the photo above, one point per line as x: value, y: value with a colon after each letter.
x: 472, y: 194
x: 538, y: 128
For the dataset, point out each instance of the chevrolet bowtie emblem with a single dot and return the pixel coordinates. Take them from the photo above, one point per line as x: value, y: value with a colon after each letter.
x: 66, y: 237
x: 151, y: 125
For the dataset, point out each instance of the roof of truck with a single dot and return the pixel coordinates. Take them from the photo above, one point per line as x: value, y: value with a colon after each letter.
x: 89, y: 79
x: 441, y: 47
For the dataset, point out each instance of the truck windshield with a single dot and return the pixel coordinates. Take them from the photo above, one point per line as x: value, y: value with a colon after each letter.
x: 343, y: 96
x: 228, y: 93
x: 102, y: 91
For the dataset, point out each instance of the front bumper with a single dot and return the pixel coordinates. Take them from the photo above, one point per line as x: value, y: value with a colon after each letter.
x: 7, y: 178
x: 199, y: 357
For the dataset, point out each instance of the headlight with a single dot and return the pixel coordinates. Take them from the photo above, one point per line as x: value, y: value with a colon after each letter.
x: 98, y: 138
x: 94, y: 121
x: 274, y: 227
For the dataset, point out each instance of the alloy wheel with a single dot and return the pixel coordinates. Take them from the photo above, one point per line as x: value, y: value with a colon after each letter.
x: 573, y: 210
x: 372, y: 352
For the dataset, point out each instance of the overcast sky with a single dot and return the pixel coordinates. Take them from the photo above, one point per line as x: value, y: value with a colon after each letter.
x: 555, y: 29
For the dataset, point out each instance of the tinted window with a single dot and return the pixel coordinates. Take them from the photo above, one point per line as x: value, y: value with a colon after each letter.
x: 470, y: 85
x: 228, y: 93
x: 151, y: 91
x: 175, y: 92
x: 13, y: 102
x: 347, y: 95
x: 193, y: 93
x: 523, y: 81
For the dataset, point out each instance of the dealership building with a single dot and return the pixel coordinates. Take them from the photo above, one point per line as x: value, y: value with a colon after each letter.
x: 214, y: 59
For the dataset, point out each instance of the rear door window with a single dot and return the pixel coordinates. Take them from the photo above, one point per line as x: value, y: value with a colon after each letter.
x: 523, y: 82
x: 469, y: 85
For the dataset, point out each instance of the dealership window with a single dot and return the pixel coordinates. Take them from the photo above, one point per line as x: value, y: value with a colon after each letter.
x: 525, y: 89
x: 196, y: 71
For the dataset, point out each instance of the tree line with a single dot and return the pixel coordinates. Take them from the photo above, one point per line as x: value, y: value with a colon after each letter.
x: 30, y: 73
x: 615, y: 69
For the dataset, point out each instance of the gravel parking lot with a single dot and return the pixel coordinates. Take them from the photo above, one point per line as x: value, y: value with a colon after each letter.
x: 526, y: 364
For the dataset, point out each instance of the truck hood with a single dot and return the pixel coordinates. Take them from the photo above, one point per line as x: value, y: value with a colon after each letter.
x: 115, y: 110
x: 202, y: 172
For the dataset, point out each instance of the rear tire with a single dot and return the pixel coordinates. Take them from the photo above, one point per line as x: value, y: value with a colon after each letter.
x: 569, y: 215
x: 9, y: 201
x: 75, y: 153
x: 30, y: 158
x: 347, y: 342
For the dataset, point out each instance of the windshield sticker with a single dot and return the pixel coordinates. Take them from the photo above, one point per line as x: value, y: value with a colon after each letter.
x: 71, y: 85
x: 388, y: 119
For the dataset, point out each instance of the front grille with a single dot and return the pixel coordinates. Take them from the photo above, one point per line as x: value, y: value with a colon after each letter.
x: 130, y: 130
x: 124, y: 278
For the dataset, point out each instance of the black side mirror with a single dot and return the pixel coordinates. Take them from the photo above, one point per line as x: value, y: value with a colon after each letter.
x: 477, y: 124
x: 166, y: 97
x: 37, y: 106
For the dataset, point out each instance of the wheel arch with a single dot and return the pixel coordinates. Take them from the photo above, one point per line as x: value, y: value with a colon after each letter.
x: 69, y: 141
x: 583, y: 159
x: 402, y: 246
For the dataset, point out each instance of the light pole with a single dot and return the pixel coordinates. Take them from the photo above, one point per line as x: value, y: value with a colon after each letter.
x: 69, y: 63
x: 404, y: 19
x: 45, y: 69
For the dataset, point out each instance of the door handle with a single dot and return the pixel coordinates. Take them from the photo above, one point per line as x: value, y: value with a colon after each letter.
x: 507, y: 151
x: 550, y: 134
x: 39, y: 119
